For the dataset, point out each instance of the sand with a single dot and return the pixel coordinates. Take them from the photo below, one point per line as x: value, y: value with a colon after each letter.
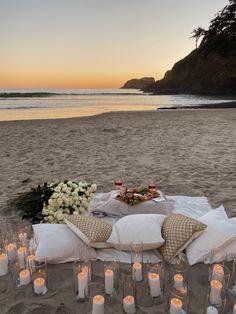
x: 187, y: 152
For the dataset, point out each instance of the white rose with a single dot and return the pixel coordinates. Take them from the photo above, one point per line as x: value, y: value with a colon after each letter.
x: 46, y: 218
x: 51, y: 212
x: 82, y: 190
x: 69, y: 183
x: 75, y: 213
x: 81, y: 209
x: 57, y: 189
x: 75, y: 198
x: 94, y: 187
x: 74, y: 194
x: 70, y: 202
x: 87, y: 193
x: 85, y: 203
x: 61, y: 184
x: 59, y: 201
x: 50, y: 202
x: 55, y: 195
x: 50, y: 218
x: 80, y: 198
x: 60, y: 216
x: 85, y: 184
x: 45, y: 211
x: 67, y: 211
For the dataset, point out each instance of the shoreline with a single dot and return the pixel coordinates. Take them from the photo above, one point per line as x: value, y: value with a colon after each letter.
x: 78, y: 112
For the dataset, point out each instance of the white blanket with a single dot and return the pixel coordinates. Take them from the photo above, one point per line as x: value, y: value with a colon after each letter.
x: 194, y: 207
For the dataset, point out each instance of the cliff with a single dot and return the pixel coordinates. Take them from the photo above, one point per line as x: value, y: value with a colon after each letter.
x: 209, y: 69
x: 139, y: 83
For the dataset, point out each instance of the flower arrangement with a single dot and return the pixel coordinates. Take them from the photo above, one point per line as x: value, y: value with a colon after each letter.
x: 48, y: 203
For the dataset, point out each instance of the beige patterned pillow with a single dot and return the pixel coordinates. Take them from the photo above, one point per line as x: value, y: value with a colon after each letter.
x: 93, y: 231
x: 178, y: 232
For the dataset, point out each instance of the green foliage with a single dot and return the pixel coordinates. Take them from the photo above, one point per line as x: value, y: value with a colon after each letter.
x: 31, y: 203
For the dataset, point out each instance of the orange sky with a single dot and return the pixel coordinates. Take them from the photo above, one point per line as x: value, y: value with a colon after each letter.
x: 95, y: 44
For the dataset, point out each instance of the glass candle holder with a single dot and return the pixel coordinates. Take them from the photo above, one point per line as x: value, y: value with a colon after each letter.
x: 95, y: 300
x: 39, y: 276
x: 178, y: 303
x: 20, y: 274
x: 179, y: 276
x: 3, y: 260
x: 232, y: 283
x: 219, y: 271
x: 155, y: 275
x: 111, y: 277
x: 81, y: 279
x: 128, y: 292
x: 137, y: 260
x: 10, y: 246
x: 216, y: 299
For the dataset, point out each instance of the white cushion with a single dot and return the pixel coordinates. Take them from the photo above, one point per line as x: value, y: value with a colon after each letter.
x: 58, y: 243
x: 137, y: 228
x: 220, y: 232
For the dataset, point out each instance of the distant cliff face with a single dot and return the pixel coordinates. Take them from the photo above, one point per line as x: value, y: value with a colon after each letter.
x: 213, y: 74
x: 211, y: 68
x: 139, y: 83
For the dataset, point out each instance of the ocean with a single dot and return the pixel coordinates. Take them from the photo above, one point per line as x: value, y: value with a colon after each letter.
x: 82, y: 102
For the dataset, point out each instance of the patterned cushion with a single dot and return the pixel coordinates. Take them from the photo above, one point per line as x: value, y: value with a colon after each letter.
x: 93, y: 231
x: 178, y: 231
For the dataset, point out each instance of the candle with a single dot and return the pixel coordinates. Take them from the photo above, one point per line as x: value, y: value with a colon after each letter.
x: 211, y: 310
x: 137, y: 272
x: 40, y: 286
x: 178, y: 282
x: 154, y: 284
x: 3, y: 264
x: 24, y: 277
x: 175, y: 306
x: 31, y: 263
x: 98, y: 304
x: 21, y: 255
x: 234, y: 309
x: 109, y: 281
x: 11, y: 251
x: 128, y: 304
x: 215, y: 292
x: 218, y: 273
x: 87, y: 270
x: 82, y: 284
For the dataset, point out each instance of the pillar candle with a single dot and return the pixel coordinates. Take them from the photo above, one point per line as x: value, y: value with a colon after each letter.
x: 21, y: 252
x: 11, y: 251
x: 211, y: 310
x: 129, y: 305
x: 40, y: 286
x: 82, y: 284
x: 176, y: 306
x: 25, y: 277
x: 215, y: 292
x: 3, y: 264
x: 218, y: 273
x: 178, y: 282
x: 137, y: 272
x: 109, y: 281
x: 154, y: 284
x: 98, y: 304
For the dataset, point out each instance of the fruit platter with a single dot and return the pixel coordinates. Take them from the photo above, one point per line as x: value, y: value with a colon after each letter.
x: 137, y: 195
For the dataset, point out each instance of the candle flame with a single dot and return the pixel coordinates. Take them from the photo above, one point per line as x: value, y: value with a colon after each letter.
x: 98, y: 298
x: 129, y: 299
x: 216, y: 283
x: 24, y: 272
x: 176, y: 301
x: 179, y: 277
x: 10, y: 246
x: 3, y: 255
x: 109, y: 272
x: 154, y: 275
x: 218, y: 269
x: 137, y: 265
x: 39, y: 281
x: 22, y: 249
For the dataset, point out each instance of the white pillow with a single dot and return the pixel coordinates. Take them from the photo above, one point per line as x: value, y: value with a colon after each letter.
x: 58, y: 243
x: 137, y: 228
x: 220, y: 232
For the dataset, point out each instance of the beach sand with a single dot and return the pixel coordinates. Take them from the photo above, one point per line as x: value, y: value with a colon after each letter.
x: 187, y: 152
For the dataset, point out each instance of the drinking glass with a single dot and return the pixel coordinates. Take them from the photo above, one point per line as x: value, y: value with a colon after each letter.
x: 39, y: 276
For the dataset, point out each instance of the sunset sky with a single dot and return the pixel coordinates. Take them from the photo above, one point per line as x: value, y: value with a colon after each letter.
x: 95, y: 43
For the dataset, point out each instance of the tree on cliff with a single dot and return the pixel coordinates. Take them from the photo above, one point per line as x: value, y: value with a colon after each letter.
x: 198, y: 33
